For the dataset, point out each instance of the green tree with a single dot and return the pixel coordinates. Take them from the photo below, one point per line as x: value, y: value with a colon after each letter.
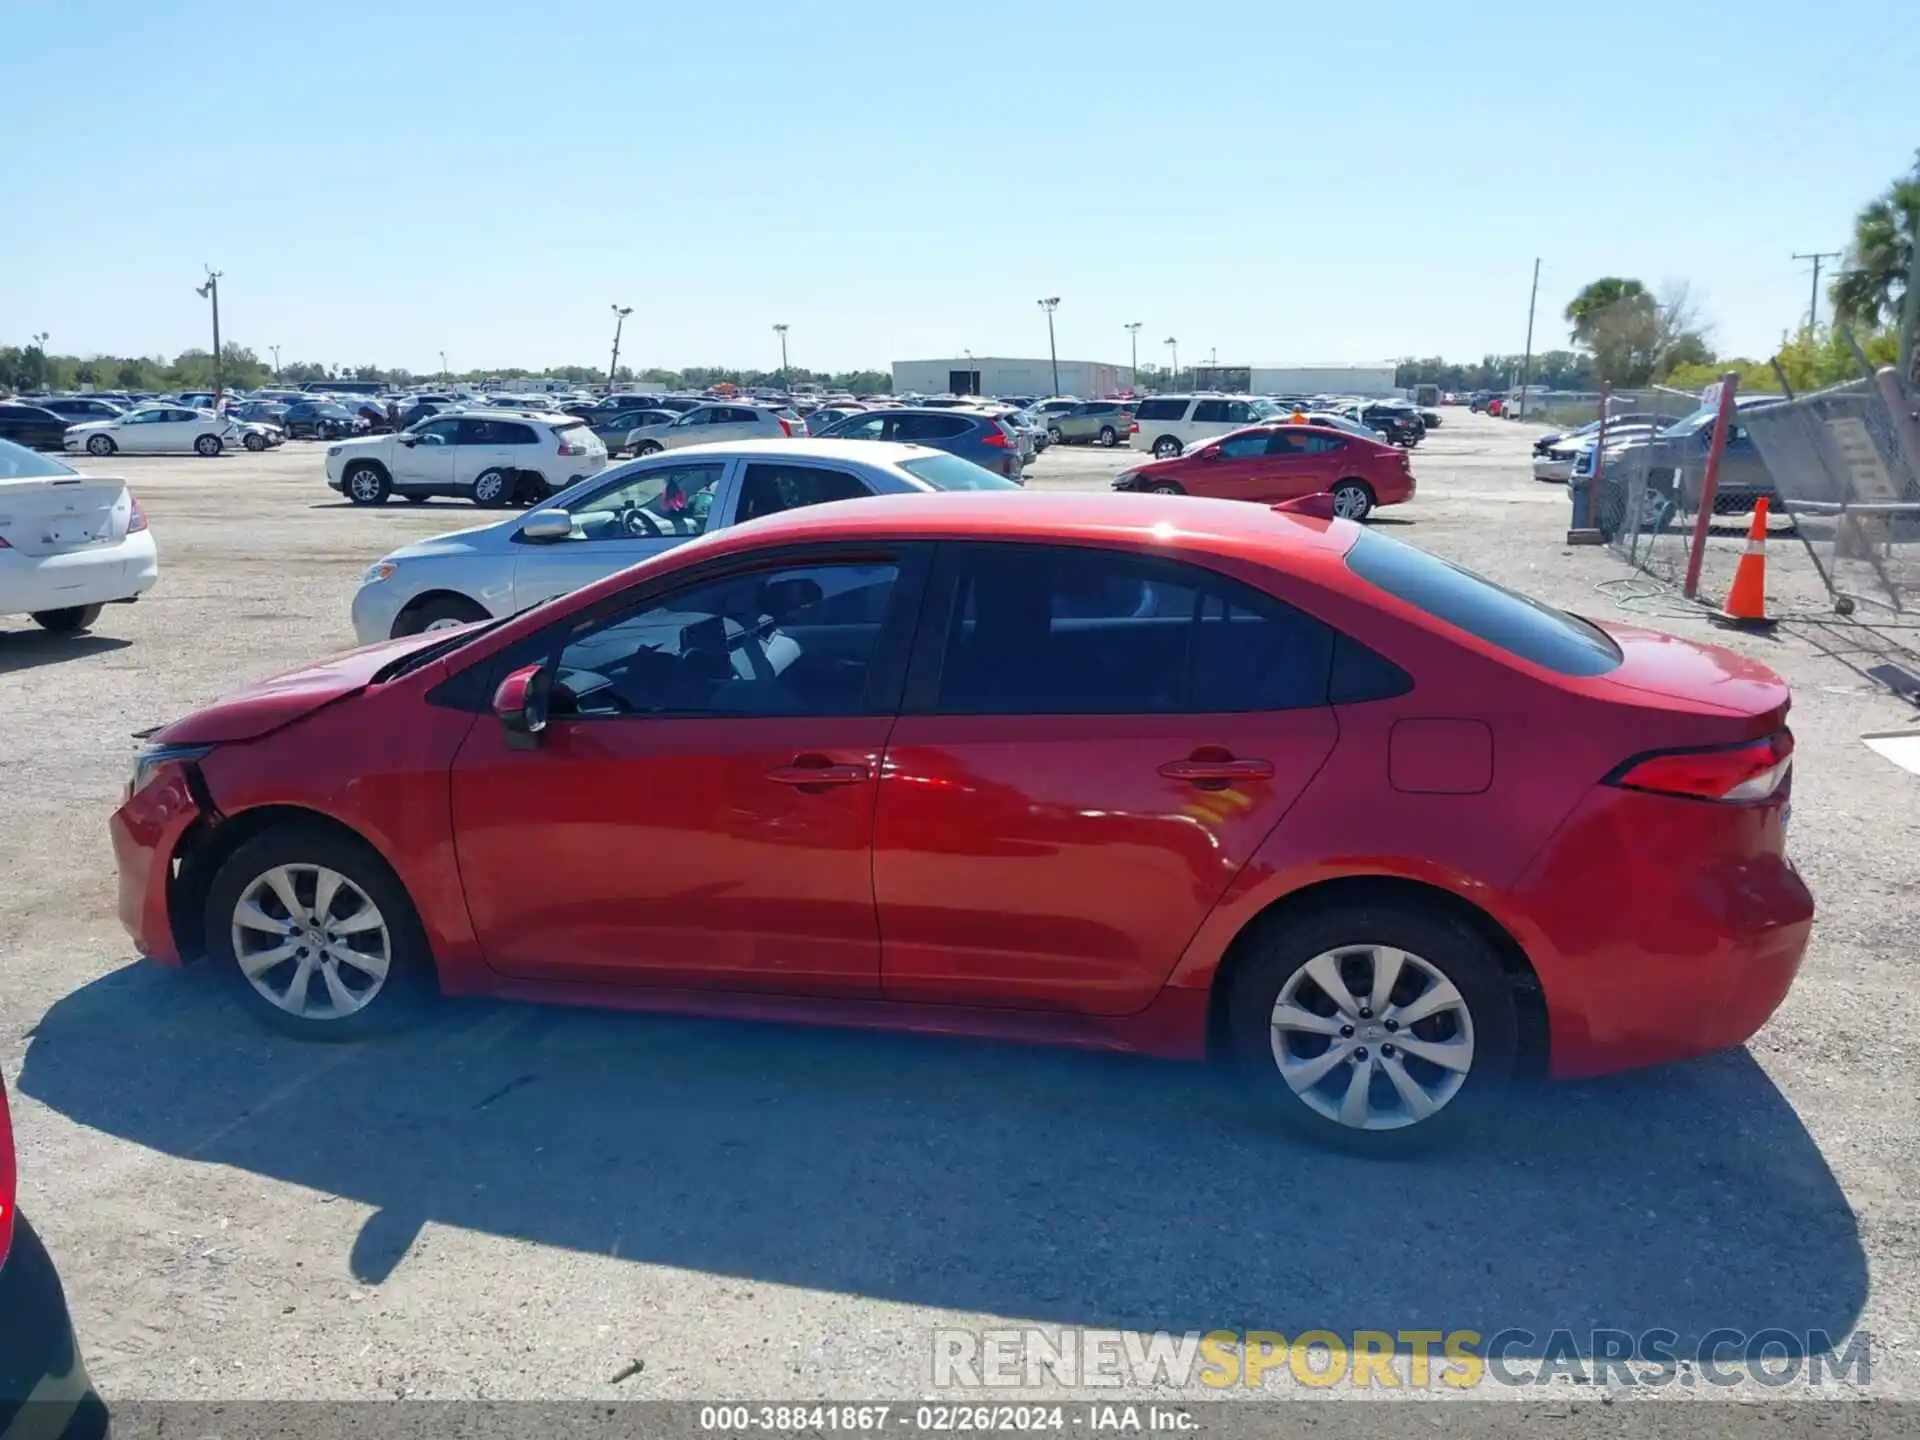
x: 1636, y: 337
x: 1869, y: 292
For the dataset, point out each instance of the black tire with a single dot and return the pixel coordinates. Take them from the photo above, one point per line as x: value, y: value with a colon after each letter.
x: 255, y: 443
x: 646, y: 447
x: 423, y: 615
x: 100, y: 445
x: 207, y: 445
x: 367, y: 483
x: 70, y: 621
x: 1054, y: 437
x: 1166, y: 447
x: 1442, y: 945
x: 1109, y: 437
x: 1352, y: 499
x: 397, y: 999
x: 494, y: 489
x: 1164, y: 487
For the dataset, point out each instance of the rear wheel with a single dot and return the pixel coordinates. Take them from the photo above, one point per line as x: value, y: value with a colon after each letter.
x: 493, y: 488
x: 208, y: 445
x: 99, y: 444
x: 317, y: 936
x: 1054, y: 437
x: 441, y: 612
x: 70, y: 621
x: 1352, y: 500
x: 1109, y: 437
x: 1166, y: 447
x: 1374, y: 1028
x: 367, y: 484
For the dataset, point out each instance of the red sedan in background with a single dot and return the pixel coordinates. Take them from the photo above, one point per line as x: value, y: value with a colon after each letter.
x: 1165, y: 775
x: 1271, y: 463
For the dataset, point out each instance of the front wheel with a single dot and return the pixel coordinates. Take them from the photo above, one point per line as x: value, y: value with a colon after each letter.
x: 70, y: 621
x: 99, y: 444
x: 1374, y: 1028
x: 368, y: 484
x: 208, y: 445
x: 1164, y: 487
x: 1166, y: 447
x: 443, y: 612
x: 1352, y: 500
x: 317, y: 936
x: 255, y: 443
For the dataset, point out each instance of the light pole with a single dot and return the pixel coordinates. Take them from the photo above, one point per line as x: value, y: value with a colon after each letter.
x: 276, y: 361
x: 620, y: 314
x: 781, y: 331
x: 1051, y: 304
x: 1133, y: 344
x: 1174, y: 346
x: 445, y: 375
x: 40, y: 344
x: 211, y: 291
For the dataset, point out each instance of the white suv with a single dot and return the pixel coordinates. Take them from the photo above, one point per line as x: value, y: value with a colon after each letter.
x: 492, y: 457
x: 1168, y: 424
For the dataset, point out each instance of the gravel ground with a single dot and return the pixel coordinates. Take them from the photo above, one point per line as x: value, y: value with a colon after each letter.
x: 526, y: 1203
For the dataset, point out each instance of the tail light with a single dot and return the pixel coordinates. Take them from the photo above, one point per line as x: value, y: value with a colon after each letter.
x: 994, y: 436
x: 1133, y: 427
x: 786, y: 427
x: 567, y: 447
x: 1742, y: 774
x: 9, y: 1178
x: 136, y: 517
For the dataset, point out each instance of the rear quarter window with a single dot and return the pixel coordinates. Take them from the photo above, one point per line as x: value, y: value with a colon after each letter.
x: 1537, y: 633
x: 1161, y: 410
x: 950, y: 472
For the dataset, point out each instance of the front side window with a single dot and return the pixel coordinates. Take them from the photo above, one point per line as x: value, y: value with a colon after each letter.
x: 769, y: 489
x: 1323, y: 444
x: 1053, y: 630
x: 1239, y: 412
x: 793, y: 641
x: 696, y: 417
x: 1211, y: 412
x: 1245, y: 447
x: 437, y: 432
x: 661, y: 500
x: 867, y: 427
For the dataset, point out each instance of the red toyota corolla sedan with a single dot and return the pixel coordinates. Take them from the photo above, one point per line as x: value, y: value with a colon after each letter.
x: 1166, y: 775
x: 1272, y: 463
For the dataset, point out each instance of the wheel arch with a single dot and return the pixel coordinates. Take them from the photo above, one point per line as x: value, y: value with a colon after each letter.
x: 427, y: 597
x: 361, y: 462
x: 212, y: 840
x: 1523, y: 980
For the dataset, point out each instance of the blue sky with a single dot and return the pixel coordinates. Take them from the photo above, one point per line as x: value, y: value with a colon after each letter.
x: 381, y: 183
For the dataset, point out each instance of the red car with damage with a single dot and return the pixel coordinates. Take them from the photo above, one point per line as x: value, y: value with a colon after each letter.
x: 1158, y: 774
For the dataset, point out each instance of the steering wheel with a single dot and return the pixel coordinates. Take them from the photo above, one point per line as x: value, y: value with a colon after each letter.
x: 639, y: 524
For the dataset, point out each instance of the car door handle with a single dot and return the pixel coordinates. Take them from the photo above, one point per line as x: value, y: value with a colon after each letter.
x: 1200, y: 770
x: 819, y: 774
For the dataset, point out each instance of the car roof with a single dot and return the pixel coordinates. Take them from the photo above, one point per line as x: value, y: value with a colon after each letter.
x: 860, y: 452
x: 1227, y: 528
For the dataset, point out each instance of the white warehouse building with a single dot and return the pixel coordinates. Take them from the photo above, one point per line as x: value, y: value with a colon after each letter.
x: 998, y: 375
x: 1371, y: 380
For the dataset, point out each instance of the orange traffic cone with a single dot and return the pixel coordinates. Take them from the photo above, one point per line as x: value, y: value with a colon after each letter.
x: 1746, y: 607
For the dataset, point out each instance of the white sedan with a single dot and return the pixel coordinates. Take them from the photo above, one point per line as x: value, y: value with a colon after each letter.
x: 167, y: 430
x: 69, y: 543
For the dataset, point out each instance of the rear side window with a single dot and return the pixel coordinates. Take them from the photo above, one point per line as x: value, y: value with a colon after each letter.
x: 1161, y: 410
x: 950, y: 472
x: 769, y: 489
x: 931, y: 427
x: 1537, y: 633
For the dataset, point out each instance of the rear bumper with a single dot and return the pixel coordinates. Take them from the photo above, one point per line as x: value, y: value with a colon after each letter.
x: 1668, y: 928
x: 44, y: 1389
x: 98, y: 575
x: 146, y: 833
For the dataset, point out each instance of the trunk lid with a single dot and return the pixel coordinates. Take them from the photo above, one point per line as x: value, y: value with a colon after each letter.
x: 268, y: 705
x: 1686, y: 677
x: 54, y: 514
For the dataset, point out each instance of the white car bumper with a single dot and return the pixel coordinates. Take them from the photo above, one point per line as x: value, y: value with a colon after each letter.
x: 1546, y: 468
x: 97, y: 575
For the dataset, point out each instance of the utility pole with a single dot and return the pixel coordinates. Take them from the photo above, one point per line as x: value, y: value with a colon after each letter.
x: 1910, y: 316
x: 1526, y: 364
x: 1813, y: 305
x: 1051, y: 304
x: 781, y: 331
x: 1174, y: 346
x: 276, y: 361
x: 211, y: 291
x: 620, y: 314
x: 1133, y: 341
x: 444, y: 375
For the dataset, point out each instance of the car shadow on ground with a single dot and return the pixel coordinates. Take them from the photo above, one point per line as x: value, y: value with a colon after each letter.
x: 27, y: 649
x: 1047, y: 1185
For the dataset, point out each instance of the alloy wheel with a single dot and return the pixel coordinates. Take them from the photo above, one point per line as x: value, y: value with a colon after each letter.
x: 1351, y: 502
x: 296, y: 922
x: 1372, y: 1037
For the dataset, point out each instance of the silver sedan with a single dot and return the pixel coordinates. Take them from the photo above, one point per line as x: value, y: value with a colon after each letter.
x: 629, y: 513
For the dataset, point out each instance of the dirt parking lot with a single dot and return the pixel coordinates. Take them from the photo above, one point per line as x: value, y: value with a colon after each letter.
x: 522, y: 1202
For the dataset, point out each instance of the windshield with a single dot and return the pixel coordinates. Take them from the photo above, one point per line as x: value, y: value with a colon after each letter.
x: 19, y: 463
x: 950, y: 472
x: 1265, y: 408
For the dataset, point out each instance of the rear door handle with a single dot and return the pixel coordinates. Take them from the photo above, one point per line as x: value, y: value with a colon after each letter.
x: 819, y: 774
x: 1218, y: 770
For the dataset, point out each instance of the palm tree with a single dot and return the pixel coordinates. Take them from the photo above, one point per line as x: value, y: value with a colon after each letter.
x: 1870, y: 290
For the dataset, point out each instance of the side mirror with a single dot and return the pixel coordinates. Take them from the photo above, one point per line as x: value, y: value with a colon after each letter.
x: 546, y: 525
x: 521, y: 705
